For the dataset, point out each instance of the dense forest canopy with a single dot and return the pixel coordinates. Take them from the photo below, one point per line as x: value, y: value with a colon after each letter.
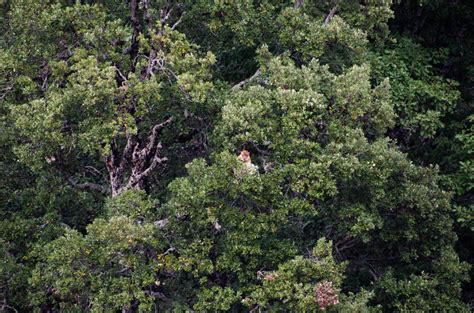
x: 214, y: 155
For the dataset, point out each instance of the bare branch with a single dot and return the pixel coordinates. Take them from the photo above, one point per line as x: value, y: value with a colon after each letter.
x: 161, y: 223
x: 148, y: 19
x: 185, y: 93
x: 344, y: 244
x: 164, y: 16
x: 373, y: 272
x: 330, y: 15
x: 5, y: 306
x: 136, y: 177
x: 93, y: 170
x: 89, y: 186
x: 136, y: 32
x: 127, y: 151
x: 152, y: 61
x: 157, y: 294
x: 120, y: 74
x: 241, y: 84
x: 298, y: 4
x: 155, y: 131
x: 114, y: 176
x: 144, y: 160
x: 5, y: 91
x: 173, y: 27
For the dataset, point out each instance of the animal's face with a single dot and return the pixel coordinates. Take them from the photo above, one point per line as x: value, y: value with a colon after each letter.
x: 244, y: 156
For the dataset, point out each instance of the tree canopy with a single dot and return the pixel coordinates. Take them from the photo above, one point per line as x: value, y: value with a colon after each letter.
x: 122, y: 187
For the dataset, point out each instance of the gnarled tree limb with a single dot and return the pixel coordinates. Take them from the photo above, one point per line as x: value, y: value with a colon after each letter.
x: 143, y: 157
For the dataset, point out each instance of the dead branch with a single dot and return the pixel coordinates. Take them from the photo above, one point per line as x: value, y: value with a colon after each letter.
x: 155, y: 131
x: 298, y: 4
x: 241, y: 84
x: 89, y: 186
x: 147, y: 15
x: 157, y: 294
x: 135, y: 33
x: 173, y: 27
x: 164, y: 16
x: 143, y: 158
x: 161, y: 223
x: 330, y: 15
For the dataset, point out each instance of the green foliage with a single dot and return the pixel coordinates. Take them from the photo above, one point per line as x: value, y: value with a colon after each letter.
x: 424, y: 292
x: 336, y: 42
x: 292, y: 285
x: 120, y: 189
x: 230, y: 233
x: 282, y: 116
x: 13, y: 277
x: 83, y: 107
x: 421, y: 97
x: 132, y: 203
x: 108, y: 269
x: 342, y: 174
x: 464, y: 178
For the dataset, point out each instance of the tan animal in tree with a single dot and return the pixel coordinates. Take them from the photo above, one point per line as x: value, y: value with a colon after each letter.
x: 244, y: 157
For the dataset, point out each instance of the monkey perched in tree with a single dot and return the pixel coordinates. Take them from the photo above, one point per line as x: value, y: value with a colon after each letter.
x: 244, y: 157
